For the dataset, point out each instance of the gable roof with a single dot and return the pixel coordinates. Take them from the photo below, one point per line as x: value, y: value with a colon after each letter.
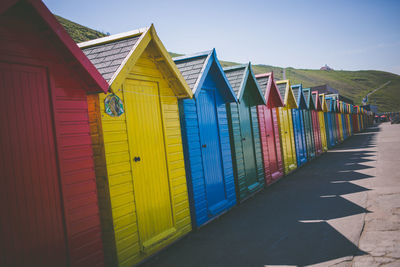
x: 329, y: 103
x: 309, y: 100
x: 268, y: 87
x: 323, y: 102
x: 316, y: 101
x: 299, y: 96
x: 287, y: 94
x: 79, y: 61
x: 196, y: 67
x: 114, y: 56
x: 239, y: 76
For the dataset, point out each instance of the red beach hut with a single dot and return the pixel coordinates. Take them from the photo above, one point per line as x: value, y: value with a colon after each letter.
x: 268, y: 124
x: 315, y: 121
x: 49, y: 206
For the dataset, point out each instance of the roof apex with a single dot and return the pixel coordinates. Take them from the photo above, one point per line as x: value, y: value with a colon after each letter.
x: 113, y: 37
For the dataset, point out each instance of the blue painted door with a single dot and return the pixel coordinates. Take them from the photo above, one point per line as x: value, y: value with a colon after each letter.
x: 299, y: 138
x: 302, y: 135
x: 211, y: 152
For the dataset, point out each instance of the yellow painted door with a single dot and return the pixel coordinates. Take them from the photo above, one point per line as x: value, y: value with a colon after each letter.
x: 148, y: 159
x: 293, y: 162
x: 282, y: 130
x: 323, y: 130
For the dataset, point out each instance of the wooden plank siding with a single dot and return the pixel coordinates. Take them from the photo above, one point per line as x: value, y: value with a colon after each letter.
x: 114, y: 171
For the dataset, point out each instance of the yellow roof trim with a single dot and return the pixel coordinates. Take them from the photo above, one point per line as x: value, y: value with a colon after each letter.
x: 289, y: 101
x: 324, y: 106
x: 183, y: 90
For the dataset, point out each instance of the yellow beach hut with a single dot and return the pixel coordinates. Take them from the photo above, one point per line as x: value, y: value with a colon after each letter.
x: 321, y: 118
x: 285, y: 123
x: 136, y: 138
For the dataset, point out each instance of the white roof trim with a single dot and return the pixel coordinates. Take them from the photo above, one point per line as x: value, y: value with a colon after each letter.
x: 128, y: 56
x: 112, y: 37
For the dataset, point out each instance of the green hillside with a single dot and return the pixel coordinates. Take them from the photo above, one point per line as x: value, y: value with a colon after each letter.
x: 352, y: 84
x: 78, y: 32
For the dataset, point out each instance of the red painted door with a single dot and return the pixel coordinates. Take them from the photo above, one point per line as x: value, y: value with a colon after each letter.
x: 31, y: 225
x: 272, y: 152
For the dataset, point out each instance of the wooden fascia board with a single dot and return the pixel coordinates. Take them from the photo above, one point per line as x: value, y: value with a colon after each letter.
x: 252, y: 76
x: 130, y: 60
x: 202, y: 76
x: 271, y: 87
x: 221, y: 70
x: 186, y: 92
x: 243, y: 83
x: 58, y: 30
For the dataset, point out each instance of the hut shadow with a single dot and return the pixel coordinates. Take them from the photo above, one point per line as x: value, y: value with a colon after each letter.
x: 286, y: 224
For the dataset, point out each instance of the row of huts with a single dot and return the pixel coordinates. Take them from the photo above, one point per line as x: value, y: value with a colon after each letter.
x: 112, y: 150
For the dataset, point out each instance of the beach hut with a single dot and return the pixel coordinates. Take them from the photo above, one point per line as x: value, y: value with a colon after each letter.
x: 316, y: 126
x: 356, y: 127
x: 285, y: 122
x: 321, y: 116
x: 244, y: 134
x: 343, y: 119
x: 298, y: 125
x: 308, y: 125
x: 268, y: 124
x: 329, y: 123
x: 49, y: 206
x: 136, y: 135
x: 336, y: 115
x: 350, y: 118
x: 205, y: 134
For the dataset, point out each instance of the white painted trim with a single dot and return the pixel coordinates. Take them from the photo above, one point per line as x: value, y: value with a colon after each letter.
x: 113, y: 37
x: 128, y: 56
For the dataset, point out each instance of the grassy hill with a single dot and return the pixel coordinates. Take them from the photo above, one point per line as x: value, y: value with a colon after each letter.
x: 78, y: 32
x: 352, y: 84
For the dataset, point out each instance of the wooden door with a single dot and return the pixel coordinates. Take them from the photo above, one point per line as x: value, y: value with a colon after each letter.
x: 148, y: 161
x: 31, y: 226
x: 211, y: 152
x: 246, y: 129
x: 271, y: 142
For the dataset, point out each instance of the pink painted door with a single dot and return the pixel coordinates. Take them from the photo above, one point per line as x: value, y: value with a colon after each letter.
x: 31, y: 224
x: 316, y: 130
x: 272, y: 151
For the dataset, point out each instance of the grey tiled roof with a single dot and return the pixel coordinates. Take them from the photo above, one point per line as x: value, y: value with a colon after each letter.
x: 107, y: 57
x: 235, y: 77
x: 296, y: 92
x: 315, y: 98
x: 328, y: 103
x: 282, y: 90
x: 191, y: 69
x: 262, y: 83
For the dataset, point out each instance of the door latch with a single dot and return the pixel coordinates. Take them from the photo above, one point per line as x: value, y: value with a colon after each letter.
x: 204, y: 145
x: 136, y: 159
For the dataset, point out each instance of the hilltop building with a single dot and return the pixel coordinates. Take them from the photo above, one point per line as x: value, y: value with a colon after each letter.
x: 326, y: 67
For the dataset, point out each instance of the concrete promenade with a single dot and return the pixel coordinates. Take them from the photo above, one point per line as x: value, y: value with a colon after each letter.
x: 342, y: 209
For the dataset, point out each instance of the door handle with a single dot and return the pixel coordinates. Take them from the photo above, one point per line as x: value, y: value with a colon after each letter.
x: 136, y: 159
x: 204, y: 145
x: 267, y: 135
x: 244, y: 138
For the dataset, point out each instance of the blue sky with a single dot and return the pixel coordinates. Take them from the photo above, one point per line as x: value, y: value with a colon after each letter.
x: 348, y: 35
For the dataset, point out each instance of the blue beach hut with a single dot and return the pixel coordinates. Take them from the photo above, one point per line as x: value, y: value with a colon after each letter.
x: 205, y: 134
x: 329, y: 123
x: 298, y: 125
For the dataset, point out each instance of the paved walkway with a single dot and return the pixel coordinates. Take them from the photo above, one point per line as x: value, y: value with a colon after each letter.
x: 342, y: 209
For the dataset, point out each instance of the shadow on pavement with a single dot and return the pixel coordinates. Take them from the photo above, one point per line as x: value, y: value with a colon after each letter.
x: 284, y: 224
